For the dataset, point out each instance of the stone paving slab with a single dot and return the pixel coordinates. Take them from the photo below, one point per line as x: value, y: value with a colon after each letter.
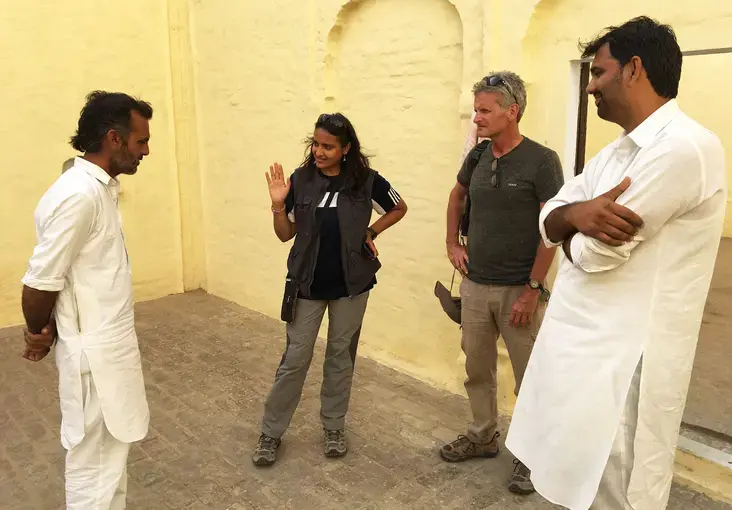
x: 209, y: 365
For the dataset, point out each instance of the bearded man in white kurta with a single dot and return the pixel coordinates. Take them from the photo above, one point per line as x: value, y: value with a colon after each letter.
x: 598, y: 414
x: 79, y: 283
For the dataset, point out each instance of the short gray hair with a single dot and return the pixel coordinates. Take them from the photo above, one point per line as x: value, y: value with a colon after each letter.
x: 513, y: 89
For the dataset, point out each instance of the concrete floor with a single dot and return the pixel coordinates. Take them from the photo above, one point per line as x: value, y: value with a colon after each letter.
x: 208, y: 366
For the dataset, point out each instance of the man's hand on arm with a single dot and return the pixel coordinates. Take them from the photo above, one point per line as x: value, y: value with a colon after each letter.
x: 40, y: 334
x: 600, y: 218
x: 38, y: 346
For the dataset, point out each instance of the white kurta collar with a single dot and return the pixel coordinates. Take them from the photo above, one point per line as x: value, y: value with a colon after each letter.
x: 644, y: 134
x: 95, y: 171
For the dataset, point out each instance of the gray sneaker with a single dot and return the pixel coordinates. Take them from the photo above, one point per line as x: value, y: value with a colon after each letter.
x: 463, y: 449
x: 335, y: 443
x: 266, y: 452
x: 520, y: 482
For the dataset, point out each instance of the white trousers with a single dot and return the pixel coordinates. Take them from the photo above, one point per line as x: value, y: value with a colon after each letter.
x: 613, y: 491
x: 96, y: 468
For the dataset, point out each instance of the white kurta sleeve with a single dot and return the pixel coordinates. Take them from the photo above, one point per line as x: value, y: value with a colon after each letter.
x: 574, y: 190
x: 62, y: 233
x: 665, y: 183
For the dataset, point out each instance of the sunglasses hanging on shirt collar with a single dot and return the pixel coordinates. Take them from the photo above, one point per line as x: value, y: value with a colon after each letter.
x: 496, y: 174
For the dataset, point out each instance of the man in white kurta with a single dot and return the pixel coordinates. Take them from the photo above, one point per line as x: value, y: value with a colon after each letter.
x: 80, y: 272
x: 598, y: 414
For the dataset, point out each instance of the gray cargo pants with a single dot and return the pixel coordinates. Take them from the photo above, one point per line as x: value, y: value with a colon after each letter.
x: 345, y: 317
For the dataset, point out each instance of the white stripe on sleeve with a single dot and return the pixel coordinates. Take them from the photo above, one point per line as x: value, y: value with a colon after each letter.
x: 394, y: 196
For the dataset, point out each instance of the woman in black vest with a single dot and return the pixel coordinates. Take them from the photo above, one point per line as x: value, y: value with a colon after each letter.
x: 326, y: 205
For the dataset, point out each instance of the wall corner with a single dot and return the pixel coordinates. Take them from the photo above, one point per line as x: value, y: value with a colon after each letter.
x: 186, y: 145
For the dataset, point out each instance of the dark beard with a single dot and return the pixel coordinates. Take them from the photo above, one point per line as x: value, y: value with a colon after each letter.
x: 124, y: 163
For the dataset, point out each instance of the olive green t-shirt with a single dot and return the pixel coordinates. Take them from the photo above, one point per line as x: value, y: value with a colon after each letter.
x: 503, y: 234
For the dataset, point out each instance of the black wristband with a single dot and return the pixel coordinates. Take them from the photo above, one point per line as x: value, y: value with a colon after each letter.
x: 372, y: 232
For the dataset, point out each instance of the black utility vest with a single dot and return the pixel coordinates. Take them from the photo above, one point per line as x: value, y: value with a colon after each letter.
x: 354, y: 215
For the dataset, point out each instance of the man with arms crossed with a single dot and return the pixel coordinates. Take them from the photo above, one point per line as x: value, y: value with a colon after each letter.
x: 606, y: 385
x: 505, y: 263
x: 79, y: 281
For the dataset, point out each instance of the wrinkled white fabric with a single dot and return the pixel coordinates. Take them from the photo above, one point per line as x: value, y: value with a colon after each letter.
x: 81, y: 254
x: 96, y: 468
x: 611, y: 306
x: 613, y: 490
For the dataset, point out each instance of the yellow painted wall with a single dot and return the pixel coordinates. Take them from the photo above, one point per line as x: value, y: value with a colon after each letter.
x: 409, y: 122
x: 399, y: 79
x: 52, y: 56
x: 402, y: 70
x: 551, y: 41
x: 237, y: 85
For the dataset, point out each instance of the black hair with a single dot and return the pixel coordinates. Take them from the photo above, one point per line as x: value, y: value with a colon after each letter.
x: 655, y: 44
x: 104, y: 111
x: 356, y: 165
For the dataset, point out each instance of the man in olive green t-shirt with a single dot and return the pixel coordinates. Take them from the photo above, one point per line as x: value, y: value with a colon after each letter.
x: 505, y: 264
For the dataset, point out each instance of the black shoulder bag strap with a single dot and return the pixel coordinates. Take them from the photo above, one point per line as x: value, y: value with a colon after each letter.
x: 452, y: 305
x: 473, y: 157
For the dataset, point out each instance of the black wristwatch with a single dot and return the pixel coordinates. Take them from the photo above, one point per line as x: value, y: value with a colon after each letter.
x: 372, y: 232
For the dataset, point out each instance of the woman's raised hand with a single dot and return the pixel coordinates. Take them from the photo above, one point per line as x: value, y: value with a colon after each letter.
x: 279, y: 186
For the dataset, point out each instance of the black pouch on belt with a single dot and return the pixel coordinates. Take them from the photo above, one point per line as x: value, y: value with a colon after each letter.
x: 289, y: 300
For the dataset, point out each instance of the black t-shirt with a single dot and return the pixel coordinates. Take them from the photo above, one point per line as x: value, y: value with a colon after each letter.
x: 329, y: 282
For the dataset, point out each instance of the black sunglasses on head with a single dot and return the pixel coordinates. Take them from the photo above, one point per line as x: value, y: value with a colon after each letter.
x: 497, y: 81
x: 333, y: 120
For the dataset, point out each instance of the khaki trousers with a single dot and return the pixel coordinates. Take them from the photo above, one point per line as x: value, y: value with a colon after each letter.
x: 486, y: 310
x: 96, y: 468
x: 345, y: 317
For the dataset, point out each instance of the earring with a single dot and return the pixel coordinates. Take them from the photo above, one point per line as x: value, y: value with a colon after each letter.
x: 344, y: 158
